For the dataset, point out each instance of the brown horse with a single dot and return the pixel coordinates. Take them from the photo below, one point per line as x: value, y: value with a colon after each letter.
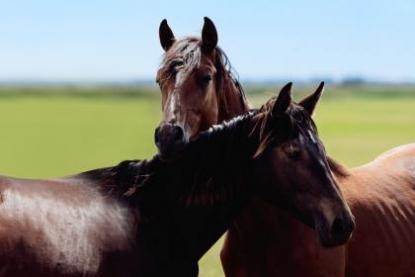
x: 198, y: 88
x: 156, y: 218
x: 294, y: 250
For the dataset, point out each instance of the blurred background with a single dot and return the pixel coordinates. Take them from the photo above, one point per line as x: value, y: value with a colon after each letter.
x: 77, y: 86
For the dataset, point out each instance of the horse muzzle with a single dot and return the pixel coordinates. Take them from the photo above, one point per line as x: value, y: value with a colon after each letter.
x: 335, y: 232
x: 170, y: 141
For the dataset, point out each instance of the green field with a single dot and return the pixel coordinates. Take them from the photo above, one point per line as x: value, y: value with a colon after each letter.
x: 61, y: 131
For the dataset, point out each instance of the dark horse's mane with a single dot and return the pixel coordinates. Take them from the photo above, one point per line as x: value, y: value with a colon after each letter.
x: 188, y: 203
x: 199, y: 162
x: 189, y: 49
x: 193, y: 171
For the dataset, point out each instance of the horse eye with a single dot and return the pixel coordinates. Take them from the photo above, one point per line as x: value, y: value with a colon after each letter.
x: 174, y: 65
x: 158, y: 83
x: 206, y: 78
x: 178, y: 63
x: 294, y: 153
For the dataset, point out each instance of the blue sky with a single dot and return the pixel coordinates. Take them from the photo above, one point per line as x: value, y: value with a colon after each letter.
x: 118, y: 40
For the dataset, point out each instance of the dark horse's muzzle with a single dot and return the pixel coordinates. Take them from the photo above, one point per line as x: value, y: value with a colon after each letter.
x: 170, y: 140
x: 337, y: 232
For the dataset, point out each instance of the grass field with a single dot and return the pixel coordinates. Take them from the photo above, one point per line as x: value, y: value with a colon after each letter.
x: 62, y: 133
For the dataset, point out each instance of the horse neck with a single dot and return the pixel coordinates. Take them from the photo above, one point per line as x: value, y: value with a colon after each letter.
x: 232, y: 101
x: 219, y: 187
x: 193, y: 199
x: 207, y: 186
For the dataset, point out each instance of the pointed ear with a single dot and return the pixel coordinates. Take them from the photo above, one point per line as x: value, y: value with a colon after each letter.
x: 309, y: 103
x: 209, y: 35
x: 166, y: 35
x: 283, y: 100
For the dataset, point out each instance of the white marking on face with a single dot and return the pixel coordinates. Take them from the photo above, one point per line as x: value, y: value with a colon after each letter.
x: 186, y: 127
x: 172, y: 105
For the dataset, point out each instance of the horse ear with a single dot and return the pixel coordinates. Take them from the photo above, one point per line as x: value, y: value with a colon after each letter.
x: 209, y: 35
x: 283, y: 100
x: 166, y: 35
x: 309, y: 103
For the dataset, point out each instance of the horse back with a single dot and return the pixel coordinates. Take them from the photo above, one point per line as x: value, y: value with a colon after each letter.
x: 381, y: 195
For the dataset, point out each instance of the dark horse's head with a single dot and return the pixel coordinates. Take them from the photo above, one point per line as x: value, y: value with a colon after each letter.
x: 291, y: 155
x: 197, y: 86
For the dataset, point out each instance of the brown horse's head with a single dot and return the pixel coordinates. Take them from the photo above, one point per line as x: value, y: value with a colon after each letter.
x: 198, y: 89
x: 292, y: 156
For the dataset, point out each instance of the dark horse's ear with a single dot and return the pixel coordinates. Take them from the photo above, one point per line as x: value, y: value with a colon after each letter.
x: 309, y: 103
x: 166, y: 35
x: 209, y: 35
x: 277, y: 116
x: 283, y: 100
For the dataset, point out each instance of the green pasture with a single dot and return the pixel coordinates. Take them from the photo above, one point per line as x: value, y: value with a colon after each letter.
x: 48, y: 133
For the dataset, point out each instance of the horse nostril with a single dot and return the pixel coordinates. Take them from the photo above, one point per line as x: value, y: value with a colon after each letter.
x: 338, y: 227
x: 156, y: 135
x: 178, y: 133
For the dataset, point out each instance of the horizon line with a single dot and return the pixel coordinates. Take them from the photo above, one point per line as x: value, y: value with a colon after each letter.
x: 249, y: 80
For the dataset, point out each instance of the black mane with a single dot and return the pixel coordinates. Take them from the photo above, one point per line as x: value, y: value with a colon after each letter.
x: 190, y: 201
x: 203, y: 168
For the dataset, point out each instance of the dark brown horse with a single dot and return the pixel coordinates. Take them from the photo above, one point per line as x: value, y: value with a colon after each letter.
x: 295, y: 250
x: 157, y: 218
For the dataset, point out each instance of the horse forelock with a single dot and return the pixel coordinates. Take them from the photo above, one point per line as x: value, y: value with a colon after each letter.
x: 268, y: 134
x: 186, y: 50
x: 262, y: 126
x: 306, y: 126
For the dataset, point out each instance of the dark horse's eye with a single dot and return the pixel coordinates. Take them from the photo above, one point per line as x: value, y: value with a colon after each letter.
x: 206, y: 78
x: 294, y: 153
